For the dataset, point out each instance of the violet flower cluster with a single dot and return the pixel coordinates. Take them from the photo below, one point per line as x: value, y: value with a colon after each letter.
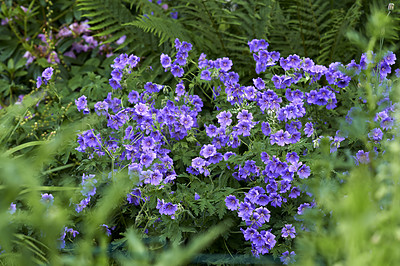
x: 139, y: 131
x: 146, y: 128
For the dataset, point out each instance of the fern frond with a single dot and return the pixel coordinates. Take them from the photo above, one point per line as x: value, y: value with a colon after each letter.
x: 166, y: 30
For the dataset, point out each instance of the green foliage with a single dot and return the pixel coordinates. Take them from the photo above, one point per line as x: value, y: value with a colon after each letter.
x: 355, y: 222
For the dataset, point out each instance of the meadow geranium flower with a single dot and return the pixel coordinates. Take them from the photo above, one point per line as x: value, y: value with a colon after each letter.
x: 248, y: 233
x: 245, y: 210
x: 216, y: 158
x: 287, y: 257
x: 180, y: 89
x: 294, y: 193
x: 134, y: 196
x: 308, y: 129
x: 243, y: 128
x: 362, y: 157
x: 203, y: 62
x: 177, y: 71
x: 376, y: 134
x: 259, y: 83
x: 205, y: 75
x: 263, y: 214
x: 292, y: 157
x: 198, y: 162
x: 270, y: 240
x: 208, y: 150
x: 47, y: 73
x: 152, y: 87
x: 39, y: 82
x: 262, y: 200
x: 13, y: 208
x: 288, y: 230
x: 304, y: 171
x: 116, y: 74
x: 148, y: 143
x: 186, y: 121
x: 301, y: 208
x: 81, y: 103
x: 224, y: 118
x: 101, y: 108
x: 147, y: 158
x: 231, y: 202
x: 244, y: 115
x: 165, y: 60
x: 225, y: 64
x: 47, y: 199
x: 114, y: 84
x: 169, y: 208
x: 141, y: 109
x: 133, y: 96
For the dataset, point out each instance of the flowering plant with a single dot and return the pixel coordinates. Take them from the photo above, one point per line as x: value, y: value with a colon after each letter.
x: 207, y: 144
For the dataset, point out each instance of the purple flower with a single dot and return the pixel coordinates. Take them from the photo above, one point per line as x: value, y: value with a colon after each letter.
x: 108, y: 230
x: 288, y: 258
x: 245, y: 116
x: 114, y: 84
x: 263, y: 214
x: 169, y: 209
x: 81, y: 103
x: 165, y: 60
x: 141, y: 109
x: 47, y: 73
x: 47, y: 199
x: 308, y: 129
x: 101, y: 108
x: 292, y: 157
x: 281, y: 138
x: 185, y: 47
x: 304, y: 171
x: 265, y: 128
x: 205, y: 75
x: 134, y: 197
x: 232, y: 203
x: 155, y: 178
x: 81, y: 205
x: 133, y: 96
x: 245, y: 210
x: 288, y: 230
x: 270, y: 240
x: 180, y: 89
x: 198, y: 163
x: 224, y: 118
x: 116, y: 74
x: 376, y: 134
x: 243, y: 128
x: 211, y: 131
x: 362, y: 157
x: 294, y: 193
x: 259, y: 83
x: 39, y: 82
x: 147, y: 158
x: 13, y: 208
x: 262, y: 200
x: 301, y: 208
x: 152, y: 87
x: 177, y: 71
x: 196, y: 196
x: 208, y: 151
x: 225, y: 64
